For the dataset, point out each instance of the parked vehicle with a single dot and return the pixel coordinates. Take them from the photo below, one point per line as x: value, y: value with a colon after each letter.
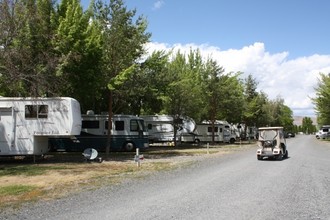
x: 271, y: 143
x: 26, y: 124
x: 324, y: 132
x: 128, y: 133
x: 161, y: 128
x: 291, y: 134
x: 204, y: 133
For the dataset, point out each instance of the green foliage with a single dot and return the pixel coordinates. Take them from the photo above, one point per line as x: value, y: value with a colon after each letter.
x: 27, y: 58
x: 322, y: 99
x: 182, y: 94
x: 307, y: 126
x: 253, y: 102
x: 278, y: 114
x: 121, y: 78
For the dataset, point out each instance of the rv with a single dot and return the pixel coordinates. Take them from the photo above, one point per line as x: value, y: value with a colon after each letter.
x: 323, y: 132
x: 161, y: 128
x: 204, y: 133
x: 26, y: 124
x: 128, y: 133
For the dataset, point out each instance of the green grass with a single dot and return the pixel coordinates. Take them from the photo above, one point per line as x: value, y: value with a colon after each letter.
x: 15, y: 190
x: 27, y: 170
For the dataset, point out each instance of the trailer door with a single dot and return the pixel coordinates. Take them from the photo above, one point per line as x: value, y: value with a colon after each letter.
x: 7, y: 130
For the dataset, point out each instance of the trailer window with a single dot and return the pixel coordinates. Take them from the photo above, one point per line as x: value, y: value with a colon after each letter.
x: 137, y: 125
x: 36, y: 111
x: 119, y: 125
x: 134, y: 125
x: 90, y: 124
x: 209, y: 129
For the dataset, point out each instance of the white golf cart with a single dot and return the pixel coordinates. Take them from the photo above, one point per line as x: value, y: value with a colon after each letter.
x: 271, y: 143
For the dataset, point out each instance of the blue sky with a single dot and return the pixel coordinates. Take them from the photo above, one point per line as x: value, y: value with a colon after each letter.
x: 282, y: 43
x: 298, y: 26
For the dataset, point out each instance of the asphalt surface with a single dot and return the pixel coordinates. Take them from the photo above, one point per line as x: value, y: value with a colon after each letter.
x: 235, y: 186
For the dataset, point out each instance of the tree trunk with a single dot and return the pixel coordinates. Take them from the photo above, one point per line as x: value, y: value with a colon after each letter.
x: 107, y: 149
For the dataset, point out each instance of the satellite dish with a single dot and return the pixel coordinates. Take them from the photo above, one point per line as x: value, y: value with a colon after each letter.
x: 90, y: 153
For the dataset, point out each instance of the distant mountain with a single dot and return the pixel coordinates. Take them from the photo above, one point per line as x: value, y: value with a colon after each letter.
x: 298, y: 120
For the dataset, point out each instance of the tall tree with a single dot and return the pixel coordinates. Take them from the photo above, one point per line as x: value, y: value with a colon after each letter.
x: 182, y: 97
x: 123, y: 44
x: 252, y: 103
x: 232, y: 92
x: 212, y: 89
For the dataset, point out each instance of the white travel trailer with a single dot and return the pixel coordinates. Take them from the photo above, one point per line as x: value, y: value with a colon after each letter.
x: 27, y: 123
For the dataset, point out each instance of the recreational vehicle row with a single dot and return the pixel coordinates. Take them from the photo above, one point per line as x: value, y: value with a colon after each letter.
x: 161, y: 130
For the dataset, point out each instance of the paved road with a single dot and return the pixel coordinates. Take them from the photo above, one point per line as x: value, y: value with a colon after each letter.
x: 236, y: 186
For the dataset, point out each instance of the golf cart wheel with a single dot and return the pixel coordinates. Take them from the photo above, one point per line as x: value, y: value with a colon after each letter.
x: 286, y: 155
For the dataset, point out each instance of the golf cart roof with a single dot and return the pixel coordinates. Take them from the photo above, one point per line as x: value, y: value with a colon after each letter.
x: 270, y: 128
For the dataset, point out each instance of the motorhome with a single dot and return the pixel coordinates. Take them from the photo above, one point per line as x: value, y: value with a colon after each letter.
x: 204, y: 133
x: 161, y: 128
x: 26, y: 124
x: 128, y: 132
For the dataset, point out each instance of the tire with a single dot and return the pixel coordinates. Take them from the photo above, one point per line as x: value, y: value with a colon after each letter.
x: 232, y: 141
x: 197, y: 141
x: 129, y: 146
x: 286, y: 155
x: 259, y: 157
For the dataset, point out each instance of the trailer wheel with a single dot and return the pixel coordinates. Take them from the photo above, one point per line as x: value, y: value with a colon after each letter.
x: 197, y: 141
x: 129, y: 146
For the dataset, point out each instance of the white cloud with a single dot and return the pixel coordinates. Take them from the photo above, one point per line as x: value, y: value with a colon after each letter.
x: 294, y: 80
x: 158, y: 4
